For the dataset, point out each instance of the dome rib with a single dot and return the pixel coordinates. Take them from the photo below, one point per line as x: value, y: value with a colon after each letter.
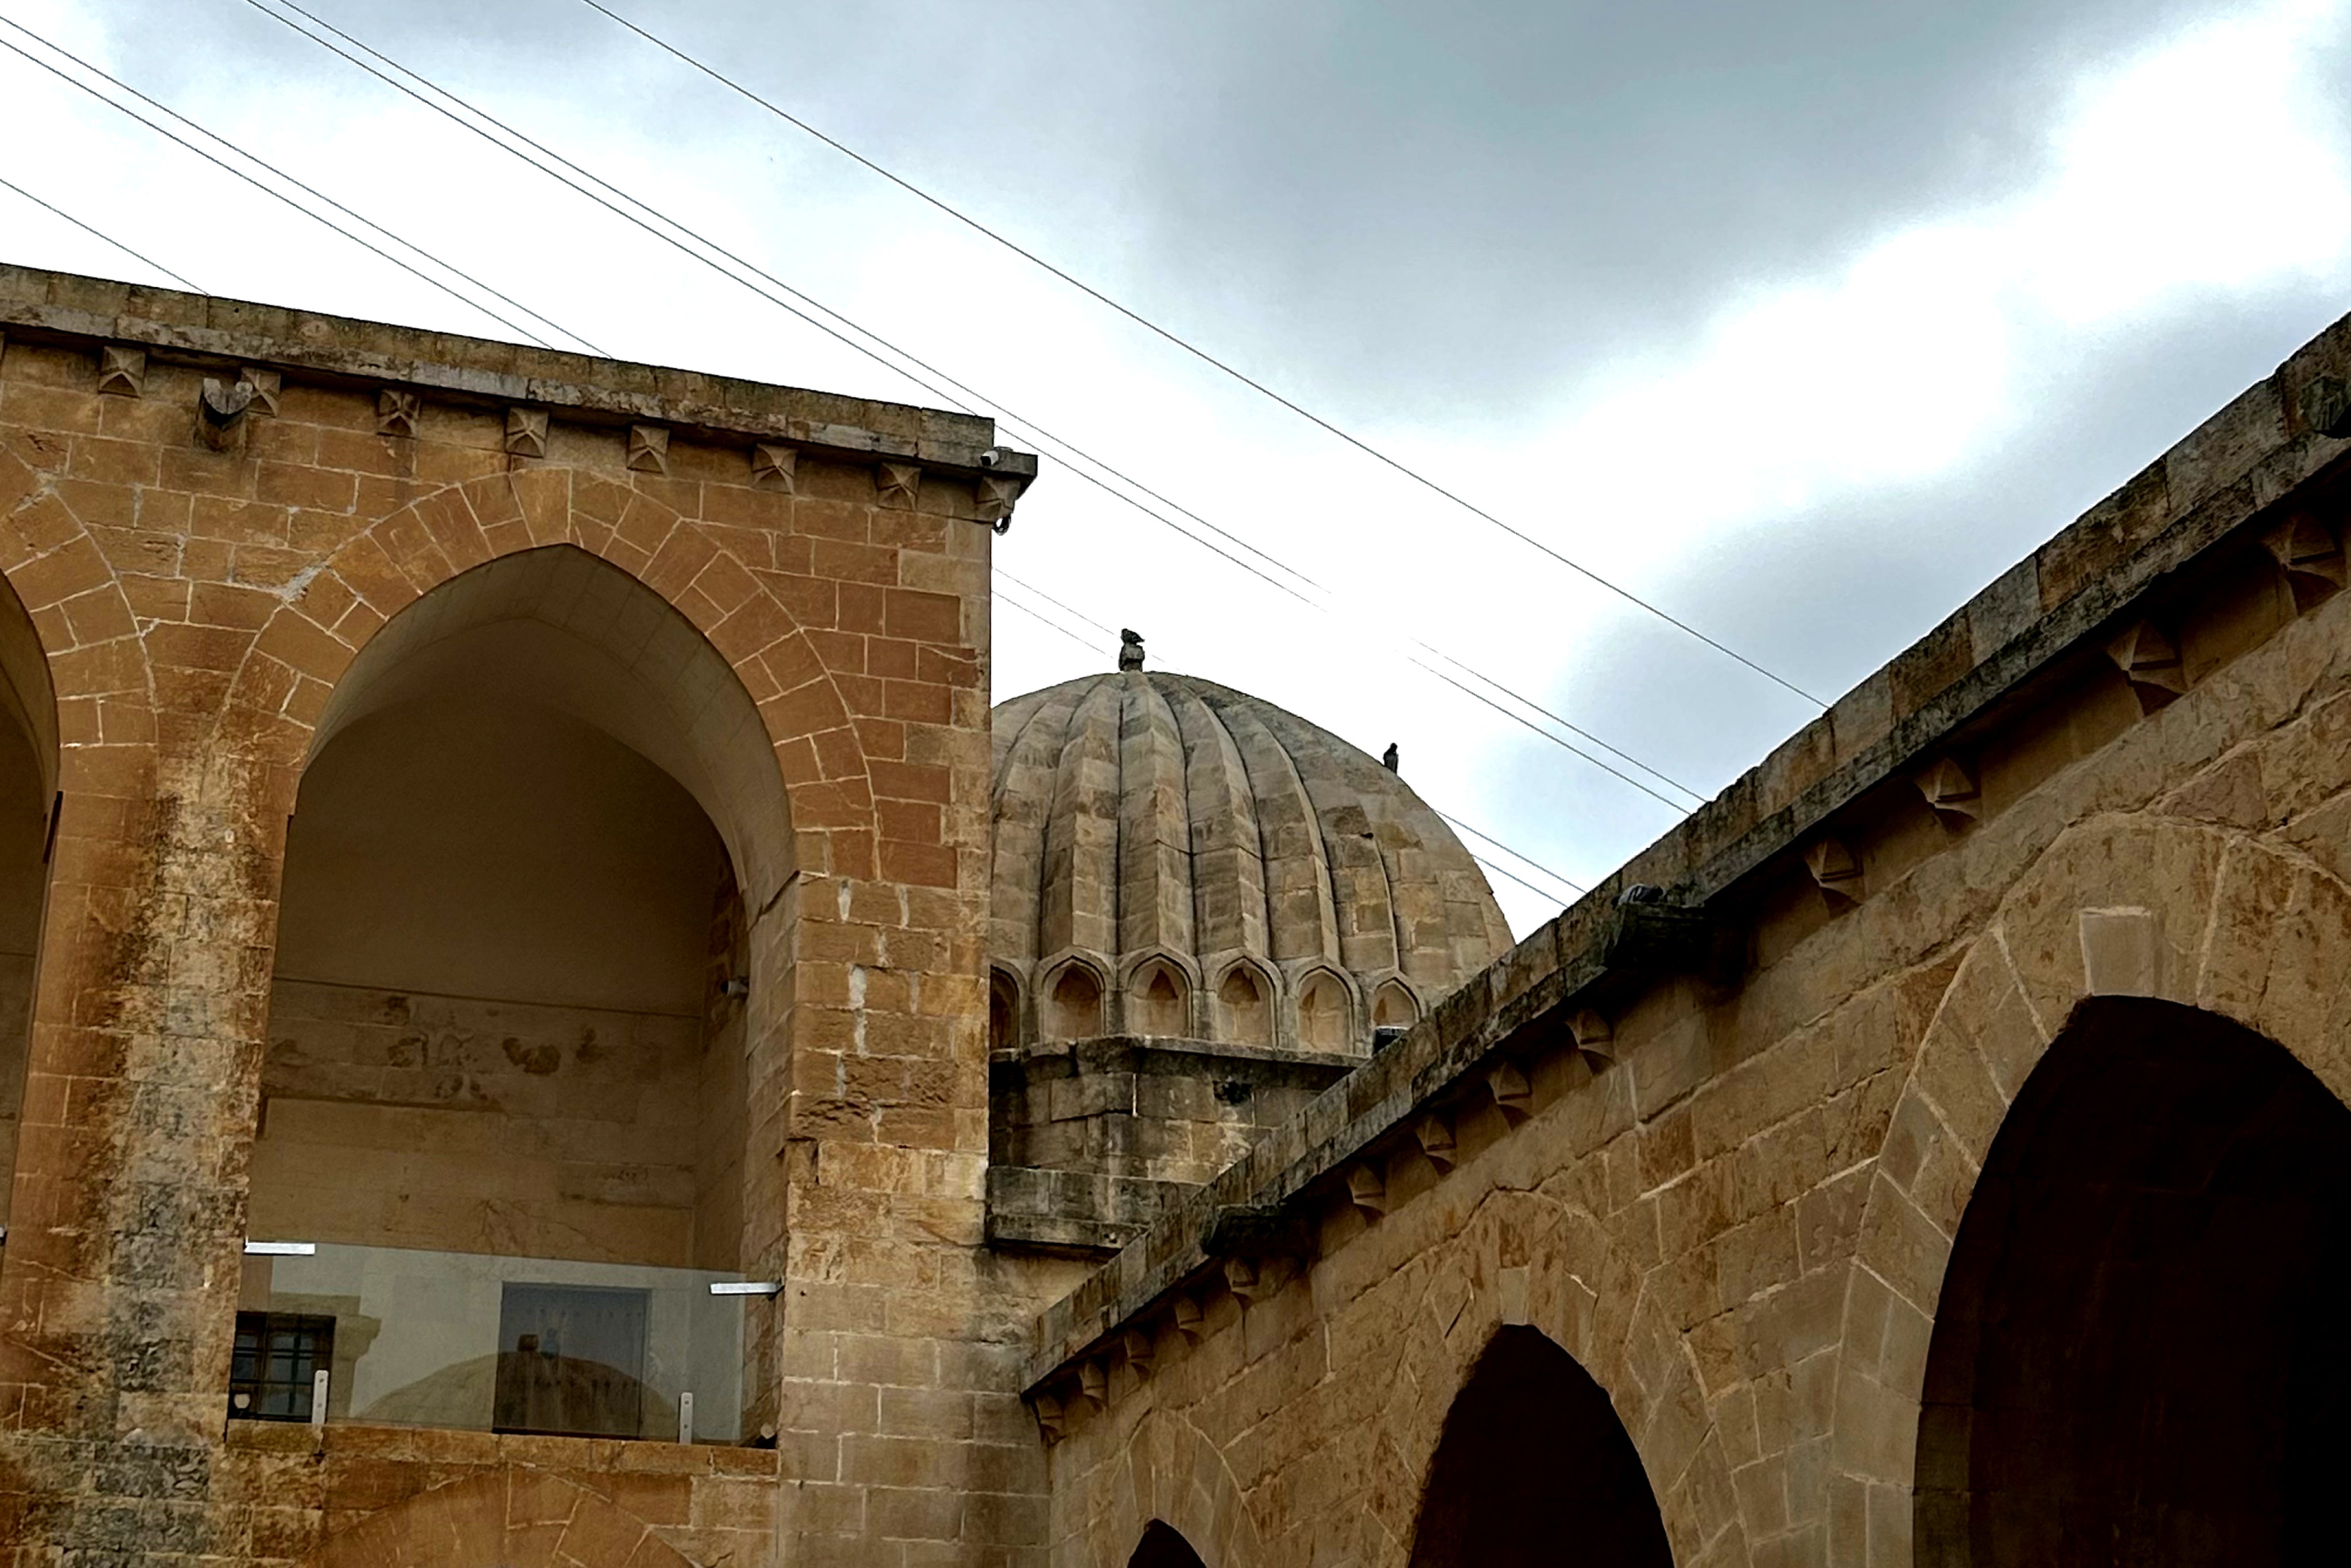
x: 1301, y: 917
x: 1228, y: 858
x: 1028, y: 765
x: 1079, y: 904
x: 1154, y: 850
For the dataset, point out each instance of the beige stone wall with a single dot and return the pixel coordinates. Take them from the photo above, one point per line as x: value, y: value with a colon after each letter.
x: 805, y: 578
x: 404, y: 1119
x: 1734, y: 1206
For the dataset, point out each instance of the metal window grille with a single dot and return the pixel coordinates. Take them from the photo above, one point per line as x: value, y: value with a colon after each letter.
x: 270, y: 1375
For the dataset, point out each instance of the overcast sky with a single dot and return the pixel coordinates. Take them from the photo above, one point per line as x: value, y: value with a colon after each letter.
x: 1801, y: 320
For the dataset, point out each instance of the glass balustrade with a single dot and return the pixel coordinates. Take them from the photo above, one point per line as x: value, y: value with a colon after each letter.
x: 475, y: 1342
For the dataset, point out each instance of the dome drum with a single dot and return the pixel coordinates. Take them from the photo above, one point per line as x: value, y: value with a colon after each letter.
x: 1192, y: 886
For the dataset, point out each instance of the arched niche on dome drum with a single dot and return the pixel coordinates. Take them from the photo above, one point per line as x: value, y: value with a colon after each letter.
x: 1072, y: 1005
x: 1158, y: 1000
x: 1003, y: 1010
x: 1394, y: 1006
x: 1245, y: 1007
x: 1325, y: 1013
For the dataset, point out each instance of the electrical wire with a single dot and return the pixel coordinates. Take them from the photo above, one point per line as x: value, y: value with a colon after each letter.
x: 1203, y: 355
x: 1488, y: 838
x: 168, y: 134
x: 1520, y: 854
x: 1008, y: 416
x: 100, y: 235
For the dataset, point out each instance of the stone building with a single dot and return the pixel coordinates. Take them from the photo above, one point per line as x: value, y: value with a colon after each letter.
x: 542, y: 1022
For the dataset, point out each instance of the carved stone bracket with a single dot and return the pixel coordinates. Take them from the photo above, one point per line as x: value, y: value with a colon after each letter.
x: 1142, y: 1355
x: 992, y: 498
x: 526, y: 432
x: 1434, y: 1133
x: 775, y: 467
x: 1836, y: 870
x: 397, y: 412
x: 268, y: 386
x: 649, y: 449
x: 897, y: 483
x: 2306, y: 550
x: 1594, y: 1039
x: 221, y: 410
x: 1185, y: 1313
x: 123, y: 372
x: 1367, y: 1189
x: 2150, y: 663
x: 1513, y: 1092
x: 1951, y: 790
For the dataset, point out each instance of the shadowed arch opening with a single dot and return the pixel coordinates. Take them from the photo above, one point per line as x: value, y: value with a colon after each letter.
x: 2139, y: 1353
x: 28, y: 782
x: 1533, y: 1468
x: 521, y: 969
x: 1164, y: 1546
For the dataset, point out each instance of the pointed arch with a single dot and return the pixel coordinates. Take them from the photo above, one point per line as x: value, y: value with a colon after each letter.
x: 1527, y: 1419
x: 1157, y: 997
x: 2157, y: 1251
x: 1070, y: 1001
x: 1164, y: 1546
x: 2192, y: 912
x: 1325, y: 1011
x: 1244, y: 1004
x: 283, y: 687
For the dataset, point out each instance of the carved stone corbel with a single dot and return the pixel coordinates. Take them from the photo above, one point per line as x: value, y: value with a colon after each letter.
x: 1093, y: 1385
x: 897, y: 484
x: 1596, y: 1041
x: 1186, y: 1315
x: 1142, y: 1355
x: 2150, y: 663
x: 2307, y: 551
x: 1513, y: 1092
x: 1367, y: 1189
x: 1052, y: 1419
x: 1951, y: 790
x: 221, y: 411
x: 649, y: 449
x: 397, y: 412
x: 993, y: 497
x: 775, y: 466
x: 268, y: 386
x: 1435, y: 1134
x: 525, y: 432
x: 122, y: 370
x: 1836, y: 871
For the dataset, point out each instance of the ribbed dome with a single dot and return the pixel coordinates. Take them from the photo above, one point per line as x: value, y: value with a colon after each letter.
x: 1174, y: 858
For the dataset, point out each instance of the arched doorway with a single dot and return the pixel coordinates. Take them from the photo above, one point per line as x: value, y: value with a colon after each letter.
x: 28, y: 781
x: 1164, y: 1546
x: 1533, y: 1468
x: 503, y: 1111
x: 2139, y: 1353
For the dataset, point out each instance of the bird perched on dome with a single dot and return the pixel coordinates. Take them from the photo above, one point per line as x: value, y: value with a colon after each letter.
x: 1129, y: 650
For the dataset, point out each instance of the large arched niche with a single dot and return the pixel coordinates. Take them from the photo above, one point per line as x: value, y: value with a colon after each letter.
x: 530, y: 936
x: 2138, y: 1354
x: 28, y: 781
x: 1534, y: 1467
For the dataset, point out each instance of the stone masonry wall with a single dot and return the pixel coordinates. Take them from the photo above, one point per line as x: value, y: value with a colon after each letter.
x: 1730, y: 1192
x: 198, y: 603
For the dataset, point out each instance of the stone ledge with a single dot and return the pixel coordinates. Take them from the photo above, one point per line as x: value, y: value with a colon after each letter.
x: 41, y: 305
x: 2259, y: 449
x: 1074, y: 1211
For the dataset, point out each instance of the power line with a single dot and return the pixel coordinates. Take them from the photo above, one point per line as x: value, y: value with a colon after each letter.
x: 1007, y: 414
x: 99, y: 234
x: 1506, y: 848
x: 1456, y: 821
x: 1048, y: 599
x: 168, y: 134
x: 1543, y: 894
x: 1201, y: 354
x: 1047, y: 621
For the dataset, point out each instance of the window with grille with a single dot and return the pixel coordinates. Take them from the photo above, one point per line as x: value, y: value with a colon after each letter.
x: 276, y: 1354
